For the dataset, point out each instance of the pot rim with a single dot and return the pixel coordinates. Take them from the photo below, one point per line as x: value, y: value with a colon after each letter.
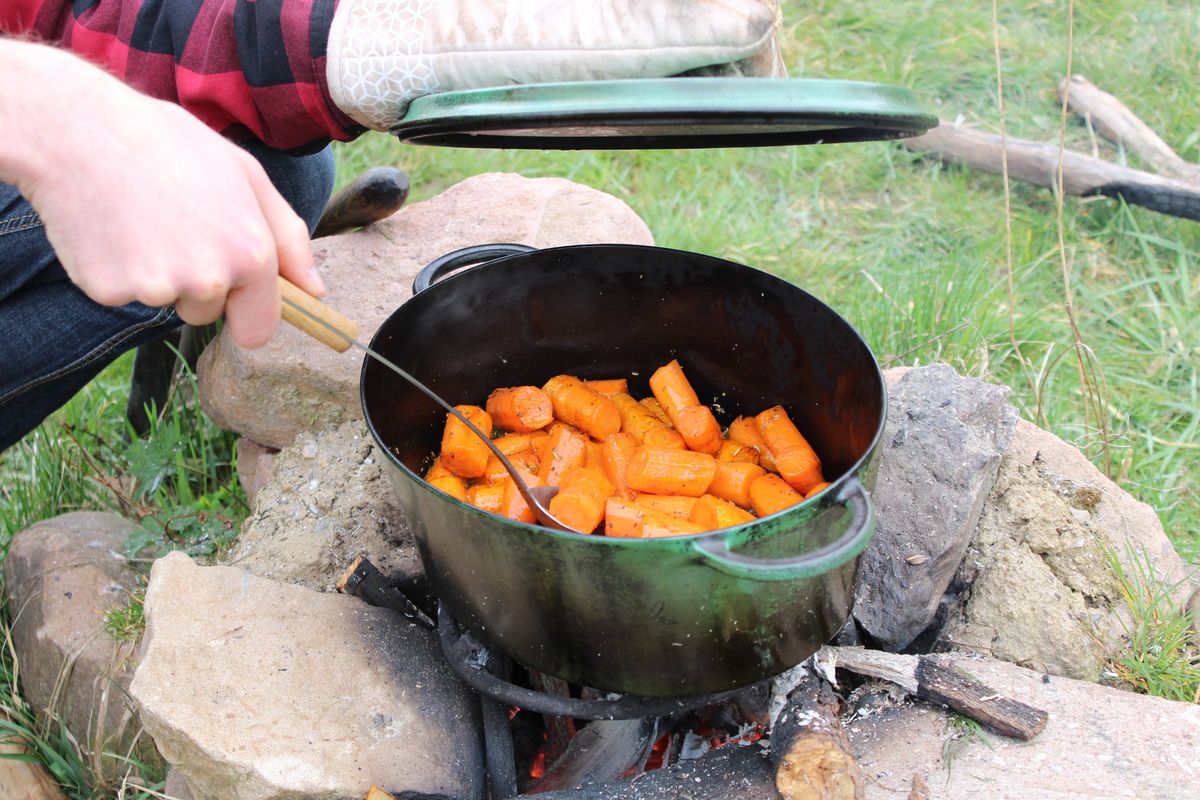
x: 836, y: 487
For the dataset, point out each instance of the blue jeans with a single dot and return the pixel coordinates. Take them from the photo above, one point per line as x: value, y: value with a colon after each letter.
x: 54, y: 339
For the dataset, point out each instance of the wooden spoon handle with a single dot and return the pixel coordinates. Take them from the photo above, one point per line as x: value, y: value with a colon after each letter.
x: 291, y: 293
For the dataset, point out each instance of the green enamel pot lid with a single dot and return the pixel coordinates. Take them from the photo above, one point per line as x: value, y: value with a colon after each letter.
x: 665, y: 113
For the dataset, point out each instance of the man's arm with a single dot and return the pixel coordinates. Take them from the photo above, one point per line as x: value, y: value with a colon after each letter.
x: 141, y: 201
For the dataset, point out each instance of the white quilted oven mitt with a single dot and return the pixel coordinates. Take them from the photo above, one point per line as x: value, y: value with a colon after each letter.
x: 383, y: 54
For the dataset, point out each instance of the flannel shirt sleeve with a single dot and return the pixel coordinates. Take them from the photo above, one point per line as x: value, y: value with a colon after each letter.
x: 249, y: 69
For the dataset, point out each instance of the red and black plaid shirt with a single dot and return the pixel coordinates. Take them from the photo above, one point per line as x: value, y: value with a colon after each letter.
x: 246, y: 68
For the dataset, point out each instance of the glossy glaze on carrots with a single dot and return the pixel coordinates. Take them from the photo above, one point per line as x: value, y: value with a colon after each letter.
x: 626, y: 466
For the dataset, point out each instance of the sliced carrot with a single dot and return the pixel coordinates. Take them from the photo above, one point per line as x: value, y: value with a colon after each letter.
x: 714, y: 513
x: 580, y: 501
x: 732, y: 450
x: 487, y: 496
x: 446, y: 480
x: 695, y: 422
x: 816, y: 490
x: 659, y: 471
x: 745, y: 431
x: 564, y: 448
x: 732, y: 481
x: 664, y: 438
x: 464, y: 453
x: 609, y: 386
x: 673, y: 504
x: 495, y: 470
x: 511, y: 443
x: 520, y: 409
x: 771, y: 493
x: 794, y: 457
x: 630, y: 520
x: 618, y: 449
x: 594, y: 455
x: 623, y: 519
x: 654, y: 407
x: 582, y: 407
x: 636, y: 419
x: 513, y: 505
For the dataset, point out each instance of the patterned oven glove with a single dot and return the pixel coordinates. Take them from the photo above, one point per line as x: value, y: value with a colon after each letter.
x: 383, y: 54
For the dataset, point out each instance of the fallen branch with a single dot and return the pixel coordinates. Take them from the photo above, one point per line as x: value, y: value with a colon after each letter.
x: 1113, y: 120
x: 1038, y: 164
x: 935, y: 682
x: 809, y: 748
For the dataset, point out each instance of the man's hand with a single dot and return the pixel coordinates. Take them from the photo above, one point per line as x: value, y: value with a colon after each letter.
x: 141, y: 201
x: 385, y: 53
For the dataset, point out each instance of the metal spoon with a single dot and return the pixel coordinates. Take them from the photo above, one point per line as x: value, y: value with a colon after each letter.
x: 338, y: 332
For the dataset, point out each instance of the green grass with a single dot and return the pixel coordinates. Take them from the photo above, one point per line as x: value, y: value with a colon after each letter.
x: 910, y: 251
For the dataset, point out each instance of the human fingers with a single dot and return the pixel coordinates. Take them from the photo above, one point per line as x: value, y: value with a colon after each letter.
x: 290, y: 233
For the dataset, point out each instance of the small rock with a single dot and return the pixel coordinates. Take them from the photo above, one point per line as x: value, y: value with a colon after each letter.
x: 947, y: 434
x: 294, y: 384
x: 25, y: 780
x: 259, y: 690
x: 318, y: 512
x: 253, y: 465
x: 1099, y: 742
x: 61, y: 575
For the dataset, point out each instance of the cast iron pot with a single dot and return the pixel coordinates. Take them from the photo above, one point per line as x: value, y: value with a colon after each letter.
x: 655, y: 617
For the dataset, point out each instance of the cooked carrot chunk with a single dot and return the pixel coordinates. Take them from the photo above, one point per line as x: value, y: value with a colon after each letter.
x: 674, y: 504
x: 564, y: 448
x: 631, y: 520
x: 695, y: 422
x: 714, y: 513
x: 464, y: 453
x: 618, y: 449
x: 670, y: 471
x: 609, y: 386
x: 520, y: 409
x: 439, y: 476
x: 795, y: 459
x: 580, y: 501
x: 771, y: 493
x: 582, y: 407
x: 745, y: 431
x: 732, y: 481
x: 487, y: 496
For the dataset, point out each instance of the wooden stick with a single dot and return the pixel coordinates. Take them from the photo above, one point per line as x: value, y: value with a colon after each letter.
x: 1113, y: 120
x: 940, y: 683
x: 1038, y: 164
x: 812, y: 756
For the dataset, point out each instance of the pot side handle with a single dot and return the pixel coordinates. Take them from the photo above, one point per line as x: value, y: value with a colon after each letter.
x: 440, y: 267
x: 716, y: 553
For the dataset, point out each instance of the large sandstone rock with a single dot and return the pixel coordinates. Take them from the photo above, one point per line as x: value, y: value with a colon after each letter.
x: 294, y: 384
x: 1036, y: 586
x: 255, y: 689
x: 940, y: 451
x: 61, y: 575
x: 1098, y: 743
x: 326, y: 501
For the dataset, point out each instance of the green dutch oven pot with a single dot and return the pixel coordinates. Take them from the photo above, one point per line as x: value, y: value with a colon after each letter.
x: 654, y: 617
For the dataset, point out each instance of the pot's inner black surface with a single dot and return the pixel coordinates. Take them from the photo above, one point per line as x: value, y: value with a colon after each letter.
x: 746, y: 340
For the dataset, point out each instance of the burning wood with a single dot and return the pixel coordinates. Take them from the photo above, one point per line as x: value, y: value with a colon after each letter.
x: 809, y: 748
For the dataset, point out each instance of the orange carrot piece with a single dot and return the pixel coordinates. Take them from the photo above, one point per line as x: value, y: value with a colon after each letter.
x: 511, y: 443
x: 695, y: 422
x: 464, y: 453
x: 795, y: 459
x: 745, y: 431
x: 446, y: 480
x: 660, y: 471
x: 581, y: 499
x: 654, y: 407
x: 732, y: 450
x: 732, y: 481
x: 513, y: 505
x: 771, y: 493
x: 623, y: 519
x: 630, y: 520
x: 520, y: 409
x: 714, y: 513
x: 564, y: 448
x: 495, y: 471
x: 816, y: 490
x: 636, y: 420
x: 674, y: 504
x: 582, y: 407
x: 594, y: 457
x: 487, y: 496
x: 618, y: 449
x: 609, y: 386
x: 664, y: 438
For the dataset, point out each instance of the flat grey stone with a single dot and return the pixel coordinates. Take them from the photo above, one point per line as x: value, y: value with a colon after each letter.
x: 939, y: 455
x: 259, y: 690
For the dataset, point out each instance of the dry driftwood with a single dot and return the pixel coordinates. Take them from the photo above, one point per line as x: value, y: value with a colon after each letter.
x: 1037, y: 163
x: 940, y: 683
x: 1113, y: 120
x: 812, y: 756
